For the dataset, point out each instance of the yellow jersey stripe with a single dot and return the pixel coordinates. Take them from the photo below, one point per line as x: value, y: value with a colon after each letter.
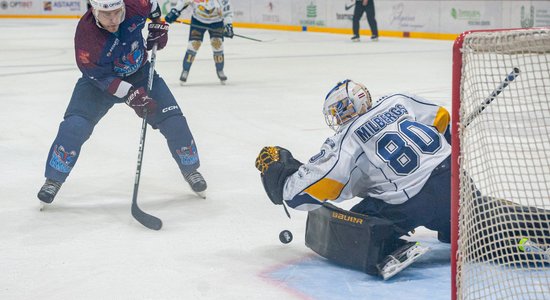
x: 325, y: 189
x: 442, y: 119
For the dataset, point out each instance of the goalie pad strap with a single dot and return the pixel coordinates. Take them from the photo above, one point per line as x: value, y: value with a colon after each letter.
x: 350, y: 239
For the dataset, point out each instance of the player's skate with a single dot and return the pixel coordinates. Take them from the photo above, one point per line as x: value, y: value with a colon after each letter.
x: 400, y: 259
x: 221, y: 76
x: 197, y: 183
x: 183, y: 77
x: 374, y: 38
x: 47, y: 192
x: 355, y: 38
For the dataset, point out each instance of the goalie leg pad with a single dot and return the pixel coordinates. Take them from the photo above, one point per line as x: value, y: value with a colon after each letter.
x: 350, y: 239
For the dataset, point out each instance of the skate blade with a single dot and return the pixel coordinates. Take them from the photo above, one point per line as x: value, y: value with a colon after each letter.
x: 43, y: 206
x: 182, y: 83
x: 201, y: 194
x: 222, y: 82
x: 396, y: 267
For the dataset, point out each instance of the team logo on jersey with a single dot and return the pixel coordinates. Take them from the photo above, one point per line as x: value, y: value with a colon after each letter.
x: 316, y: 157
x: 62, y: 160
x: 188, y: 155
x: 128, y: 64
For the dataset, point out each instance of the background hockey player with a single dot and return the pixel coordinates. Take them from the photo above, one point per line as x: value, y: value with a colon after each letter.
x: 112, y: 56
x: 393, y: 153
x: 216, y: 16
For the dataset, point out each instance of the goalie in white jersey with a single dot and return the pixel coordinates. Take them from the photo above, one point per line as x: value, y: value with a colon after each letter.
x: 214, y: 16
x: 395, y: 154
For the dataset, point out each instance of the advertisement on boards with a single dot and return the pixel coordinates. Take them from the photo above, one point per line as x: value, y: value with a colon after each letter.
x: 241, y: 10
x: 61, y: 7
x: 407, y: 15
x: 18, y: 7
x: 458, y: 16
x: 310, y: 13
x: 340, y: 13
x: 272, y: 12
x: 525, y: 14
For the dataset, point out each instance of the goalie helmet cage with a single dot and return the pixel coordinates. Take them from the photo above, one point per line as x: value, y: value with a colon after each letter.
x: 503, y: 152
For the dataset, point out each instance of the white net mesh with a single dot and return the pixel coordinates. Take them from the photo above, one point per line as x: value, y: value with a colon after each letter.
x: 505, y: 167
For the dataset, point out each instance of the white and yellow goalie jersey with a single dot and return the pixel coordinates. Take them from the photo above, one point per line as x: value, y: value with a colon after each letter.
x: 387, y: 153
x: 209, y: 11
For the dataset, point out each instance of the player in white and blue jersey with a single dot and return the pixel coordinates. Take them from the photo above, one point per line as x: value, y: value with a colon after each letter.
x: 394, y: 154
x: 214, y: 16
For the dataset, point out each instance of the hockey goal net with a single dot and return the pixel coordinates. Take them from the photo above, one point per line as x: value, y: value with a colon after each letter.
x: 501, y: 165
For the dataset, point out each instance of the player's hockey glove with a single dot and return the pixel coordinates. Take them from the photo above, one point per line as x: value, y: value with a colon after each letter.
x: 158, y: 34
x: 141, y: 102
x: 172, y: 16
x: 228, y: 30
x: 276, y: 164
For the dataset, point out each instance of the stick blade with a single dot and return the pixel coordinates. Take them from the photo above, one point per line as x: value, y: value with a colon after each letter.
x: 146, y: 219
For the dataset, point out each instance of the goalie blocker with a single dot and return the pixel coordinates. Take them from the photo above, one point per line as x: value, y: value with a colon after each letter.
x: 353, y: 240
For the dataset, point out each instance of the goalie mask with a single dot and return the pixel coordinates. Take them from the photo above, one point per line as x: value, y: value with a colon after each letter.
x: 347, y: 100
x: 108, y: 13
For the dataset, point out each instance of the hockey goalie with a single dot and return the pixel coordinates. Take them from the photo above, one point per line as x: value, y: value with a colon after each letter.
x: 394, y: 154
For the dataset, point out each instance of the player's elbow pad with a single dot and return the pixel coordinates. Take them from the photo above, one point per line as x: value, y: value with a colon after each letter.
x: 275, y: 176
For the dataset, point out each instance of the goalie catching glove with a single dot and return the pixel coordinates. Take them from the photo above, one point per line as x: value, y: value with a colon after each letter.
x: 276, y: 164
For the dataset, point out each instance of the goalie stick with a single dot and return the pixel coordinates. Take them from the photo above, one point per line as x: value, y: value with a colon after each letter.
x: 509, y: 78
x: 144, y: 218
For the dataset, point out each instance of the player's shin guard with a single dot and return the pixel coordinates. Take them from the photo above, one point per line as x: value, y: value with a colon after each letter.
x: 188, y: 59
x: 181, y: 143
x: 220, y: 60
x: 354, y: 240
x: 64, y: 152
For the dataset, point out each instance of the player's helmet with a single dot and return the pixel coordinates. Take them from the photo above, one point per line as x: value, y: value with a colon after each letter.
x: 347, y: 100
x: 106, y: 5
x: 108, y: 12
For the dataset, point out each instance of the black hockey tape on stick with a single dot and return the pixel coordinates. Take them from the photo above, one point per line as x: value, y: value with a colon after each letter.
x: 509, y: 78
x: 144, y: 218
x: 286, y: 209
x: 238, y: 35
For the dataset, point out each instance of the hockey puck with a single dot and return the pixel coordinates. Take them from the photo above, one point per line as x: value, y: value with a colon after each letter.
x: 285, y: 236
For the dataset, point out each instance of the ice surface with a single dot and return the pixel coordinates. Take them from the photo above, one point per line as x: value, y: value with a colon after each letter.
x: 88, y: 246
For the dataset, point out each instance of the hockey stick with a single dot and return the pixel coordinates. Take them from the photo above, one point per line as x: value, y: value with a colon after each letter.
x: 144, y: 218
x: 237, y: 35
x: 494, y: 94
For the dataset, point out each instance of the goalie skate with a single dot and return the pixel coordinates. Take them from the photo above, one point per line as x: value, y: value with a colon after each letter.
x: 400, y: 259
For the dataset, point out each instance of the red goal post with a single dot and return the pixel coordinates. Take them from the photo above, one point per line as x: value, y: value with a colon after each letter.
x: 500, y: 148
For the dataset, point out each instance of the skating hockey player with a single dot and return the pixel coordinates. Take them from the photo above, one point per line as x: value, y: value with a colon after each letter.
x: 216, y: 16
x: 112, y: 55
x: 394, y: 154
